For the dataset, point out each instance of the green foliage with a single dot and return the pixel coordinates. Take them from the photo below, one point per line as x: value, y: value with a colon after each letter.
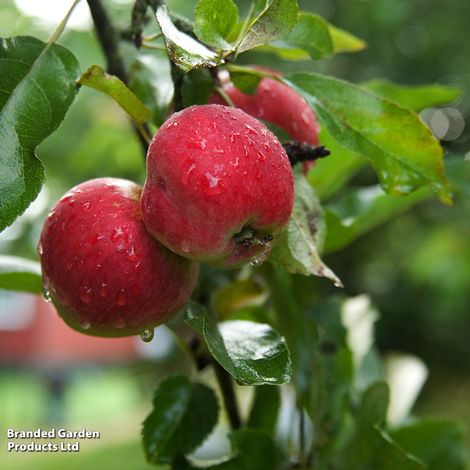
x: 415, y: 98
x: 95, y: 77
x: 197, y: 87
x: 297, y: 249
x: 150, y: 80
x: 343, y: 41
x: 275, y: 20
x: 37, y: 87
x: 402, y: 150
x: 310, y: 35
x: 254, y: 450
x: 438, y: 443
x: 184, y: 414
x: 265, y: 408
x: 214, y: 23
x: 253, y: 353
x: 332, y: 174
x: 360, y: 210
x: 245, y: 80
x: 20, y: 274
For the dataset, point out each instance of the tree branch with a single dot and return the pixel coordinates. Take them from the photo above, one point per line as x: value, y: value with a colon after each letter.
x: 109, y: 40
x: 228, y: 392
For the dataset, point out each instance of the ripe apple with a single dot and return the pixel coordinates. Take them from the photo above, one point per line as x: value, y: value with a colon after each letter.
x: 219, y: 186
x: 102, y: 270
x: 278, y: 104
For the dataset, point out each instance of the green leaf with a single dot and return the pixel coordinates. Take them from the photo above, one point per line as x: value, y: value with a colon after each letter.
x: 95, y: 77
x: 246, y: 79
x: 361, y: 210
x: 311, y: 34
x: 330, y: 174
x: 254, y: 450
x: 197, y: 87
x: 214, y: 22
x: 237, y: 295
x: 373, y: 449
x: 401, y: 148
x: 37, y: 86
x: 150, y: 79
x: 297, y: 247
x: 253, y: 353
x: 265, y: 408
x: 438, y: 443
x: 185, y: 51
x: 415, y: 98
x: 183, y: 415
x: 343, y: 41
x: 20, y: 274
x: 374, y: 404
x: 275, y: 21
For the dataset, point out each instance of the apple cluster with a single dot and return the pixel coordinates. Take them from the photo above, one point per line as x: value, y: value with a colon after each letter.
x: 118, y: 259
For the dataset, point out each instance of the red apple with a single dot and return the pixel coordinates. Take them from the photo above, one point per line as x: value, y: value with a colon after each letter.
x: 278, y: 104
x: 219, y: 185
x: 102, y: 270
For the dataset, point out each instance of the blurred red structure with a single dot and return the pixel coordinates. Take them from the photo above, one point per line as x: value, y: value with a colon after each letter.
x: 31, y: 333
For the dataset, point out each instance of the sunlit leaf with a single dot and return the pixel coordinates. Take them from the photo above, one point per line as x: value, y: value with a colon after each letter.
x: 253, y: 353
x: 343, y: 41
x: 401, y: 148
x: 185, y: 51
x: 414, y: 97
x: 95, y: 77
x: 20, y: 274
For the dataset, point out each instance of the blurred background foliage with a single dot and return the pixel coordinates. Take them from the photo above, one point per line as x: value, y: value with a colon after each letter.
x: 416, y: 268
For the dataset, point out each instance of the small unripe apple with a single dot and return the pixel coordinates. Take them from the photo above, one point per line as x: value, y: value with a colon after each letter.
x: 103, y: 272
x: 278, y: 104
x: 219, y: 186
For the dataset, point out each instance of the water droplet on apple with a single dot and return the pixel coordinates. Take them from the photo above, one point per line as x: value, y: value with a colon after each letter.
x: 121, y: 298
x: 251, y: 130
x: 147, y: 335
x: 185, y: 246
x: 86, y: 206
x: 188, y: 173
x: 46, y: 294
x: 85, y: 294
x: 40, y: 249
x: 85, y: 324
x: 103, y: 290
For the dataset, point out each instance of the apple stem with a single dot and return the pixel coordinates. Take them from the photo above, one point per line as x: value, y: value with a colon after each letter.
x: 247, y: 238
x: 301, y: 152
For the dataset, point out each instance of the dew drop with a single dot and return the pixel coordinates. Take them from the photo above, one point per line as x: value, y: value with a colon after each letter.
x: 131, y: 254
x: 233, y: 136
x: 219, y: 150
x: 188, y: 174
x: 251, y: 130
x: 86, y: 206
x: 103, y: 291
x: 185, y: 246
x: 85, y: 294
x: 147, y: 335
x: 40, y: 249
x: 46, y: 295
x: 121, y: 298
x: 85, y: 324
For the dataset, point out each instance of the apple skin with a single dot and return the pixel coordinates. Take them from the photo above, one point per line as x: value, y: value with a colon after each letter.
x: 104, y: 273
x: 278, y: 104
x: 214, y: 172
